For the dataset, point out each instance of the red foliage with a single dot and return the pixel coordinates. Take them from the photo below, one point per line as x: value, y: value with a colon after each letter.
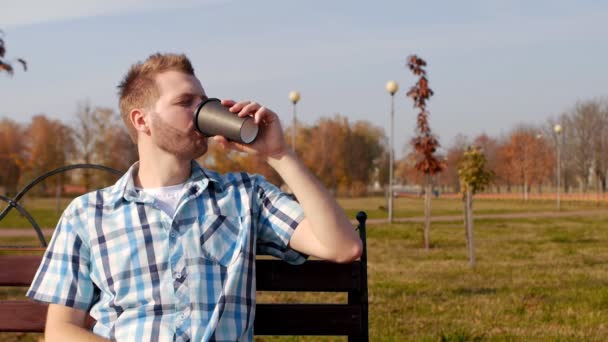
x: 425, y: 143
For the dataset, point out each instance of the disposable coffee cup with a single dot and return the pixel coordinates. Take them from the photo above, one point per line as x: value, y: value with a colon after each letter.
x: 212, y: 118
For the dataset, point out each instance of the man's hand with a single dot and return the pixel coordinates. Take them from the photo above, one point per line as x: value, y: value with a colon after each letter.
x: 326, y: 232
x: 270, y: 142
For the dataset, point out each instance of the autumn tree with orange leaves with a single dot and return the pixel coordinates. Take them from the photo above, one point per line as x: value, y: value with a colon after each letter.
x: 525, y: 159
x: 425, y: 143
x: 344, y: 156
x: 49, y: 146
x: 12, y: 155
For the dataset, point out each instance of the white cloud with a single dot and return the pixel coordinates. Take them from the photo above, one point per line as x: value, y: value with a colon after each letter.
x: 28, y: 12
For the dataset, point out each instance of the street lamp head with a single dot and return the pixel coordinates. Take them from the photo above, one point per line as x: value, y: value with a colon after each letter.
x: 294, y: 96
x: 392, y: 87
x: 557, y: 128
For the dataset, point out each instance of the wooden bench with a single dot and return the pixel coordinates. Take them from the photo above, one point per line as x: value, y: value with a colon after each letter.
x: 349, y: 319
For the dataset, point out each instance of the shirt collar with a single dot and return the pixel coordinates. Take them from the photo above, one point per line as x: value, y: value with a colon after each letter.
x: 198, y: 181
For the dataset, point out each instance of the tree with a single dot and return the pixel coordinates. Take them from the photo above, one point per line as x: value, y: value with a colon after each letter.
x: 324, y: 153
x: 101, y: 139
x: 601, y: 149
x: 84, y: 134
x: 6, y: 65
x: 366, y: 151
x: 50, y: 145
x: 525, y: 159
x: 425, y: 143
x: 405, y: 170
x: 453, y: 158
x: 342, y: 155
x: 12, y: 154
x: 489, y: 146
x: 582, y: 127
x: 473, y: 178
x: 112, y: 145
x: 224, y: 161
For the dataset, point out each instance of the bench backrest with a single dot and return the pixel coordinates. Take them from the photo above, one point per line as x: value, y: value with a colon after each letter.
x: 349, y: 319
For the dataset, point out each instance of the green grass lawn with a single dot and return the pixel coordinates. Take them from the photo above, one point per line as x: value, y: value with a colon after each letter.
x: 411, y: 207
x: 536, y: 279
x: 44, y: 210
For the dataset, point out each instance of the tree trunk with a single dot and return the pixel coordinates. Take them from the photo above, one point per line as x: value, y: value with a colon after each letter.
x: 598, y: 189
x: 470, y: 237
x: 466, y: 217
x: 58, y: 198
x: 427, y: 212
x: 525, y: 188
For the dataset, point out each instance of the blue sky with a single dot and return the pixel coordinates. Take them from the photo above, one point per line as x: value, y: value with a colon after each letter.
x: 492, y: 64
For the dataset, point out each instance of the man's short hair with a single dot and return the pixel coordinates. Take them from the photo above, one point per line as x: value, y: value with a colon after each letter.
x: 138, y: 88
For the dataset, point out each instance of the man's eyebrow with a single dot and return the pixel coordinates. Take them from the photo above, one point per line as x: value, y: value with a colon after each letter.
x: 190, y: 96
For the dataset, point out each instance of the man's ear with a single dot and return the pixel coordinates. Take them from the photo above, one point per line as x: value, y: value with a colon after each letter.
x: 140, y: 120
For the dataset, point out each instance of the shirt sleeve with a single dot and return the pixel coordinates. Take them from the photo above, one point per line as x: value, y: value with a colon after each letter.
x: 278, y: 217
x: 63, y: 276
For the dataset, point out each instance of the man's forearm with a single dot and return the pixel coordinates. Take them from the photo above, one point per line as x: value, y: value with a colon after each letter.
x: 329, y: 223
x: 66, y: 332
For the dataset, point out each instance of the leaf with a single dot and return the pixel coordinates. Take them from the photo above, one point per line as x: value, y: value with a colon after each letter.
x: 412, y: 92
x: 23, y: 63
x: 6, y: 67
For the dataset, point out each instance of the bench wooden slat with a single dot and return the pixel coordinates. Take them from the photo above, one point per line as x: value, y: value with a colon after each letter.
x: 271, y: 319
x: 313, y: 275
x: 272, y: 275
x: 307, y: 319
x: 22, y: 315
x: 18, y: 270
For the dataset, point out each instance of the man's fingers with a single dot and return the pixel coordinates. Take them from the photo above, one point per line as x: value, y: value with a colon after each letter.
x: 246, y: 108
x: 261, y: 114
x: 221, y: 141
x: 250, y: 108
x: 228, y: 103
x: 238, y: 106
x: 227, y: 144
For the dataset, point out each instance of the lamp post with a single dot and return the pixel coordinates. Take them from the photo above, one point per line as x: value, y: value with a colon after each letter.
x: 391, y: 87
x: 294, y: 96
x: 558, y: 130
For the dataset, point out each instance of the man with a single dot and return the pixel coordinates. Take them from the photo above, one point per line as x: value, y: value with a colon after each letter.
x: 168, y: 252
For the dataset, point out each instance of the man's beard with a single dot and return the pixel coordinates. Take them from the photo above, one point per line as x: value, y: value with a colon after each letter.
x: 185, y: 146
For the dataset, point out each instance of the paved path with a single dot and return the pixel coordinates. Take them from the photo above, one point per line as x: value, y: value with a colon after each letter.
x: 24, y: 232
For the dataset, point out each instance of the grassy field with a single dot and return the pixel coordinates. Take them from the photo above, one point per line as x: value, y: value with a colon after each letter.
x: 411, y: 207
x: 536, y: 279
x: 44, y: 210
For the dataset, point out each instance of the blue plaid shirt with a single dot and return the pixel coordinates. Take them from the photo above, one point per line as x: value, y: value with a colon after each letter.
x: 145, y: 276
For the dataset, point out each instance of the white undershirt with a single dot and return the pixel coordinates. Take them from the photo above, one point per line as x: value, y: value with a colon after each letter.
x: 167, y: 197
